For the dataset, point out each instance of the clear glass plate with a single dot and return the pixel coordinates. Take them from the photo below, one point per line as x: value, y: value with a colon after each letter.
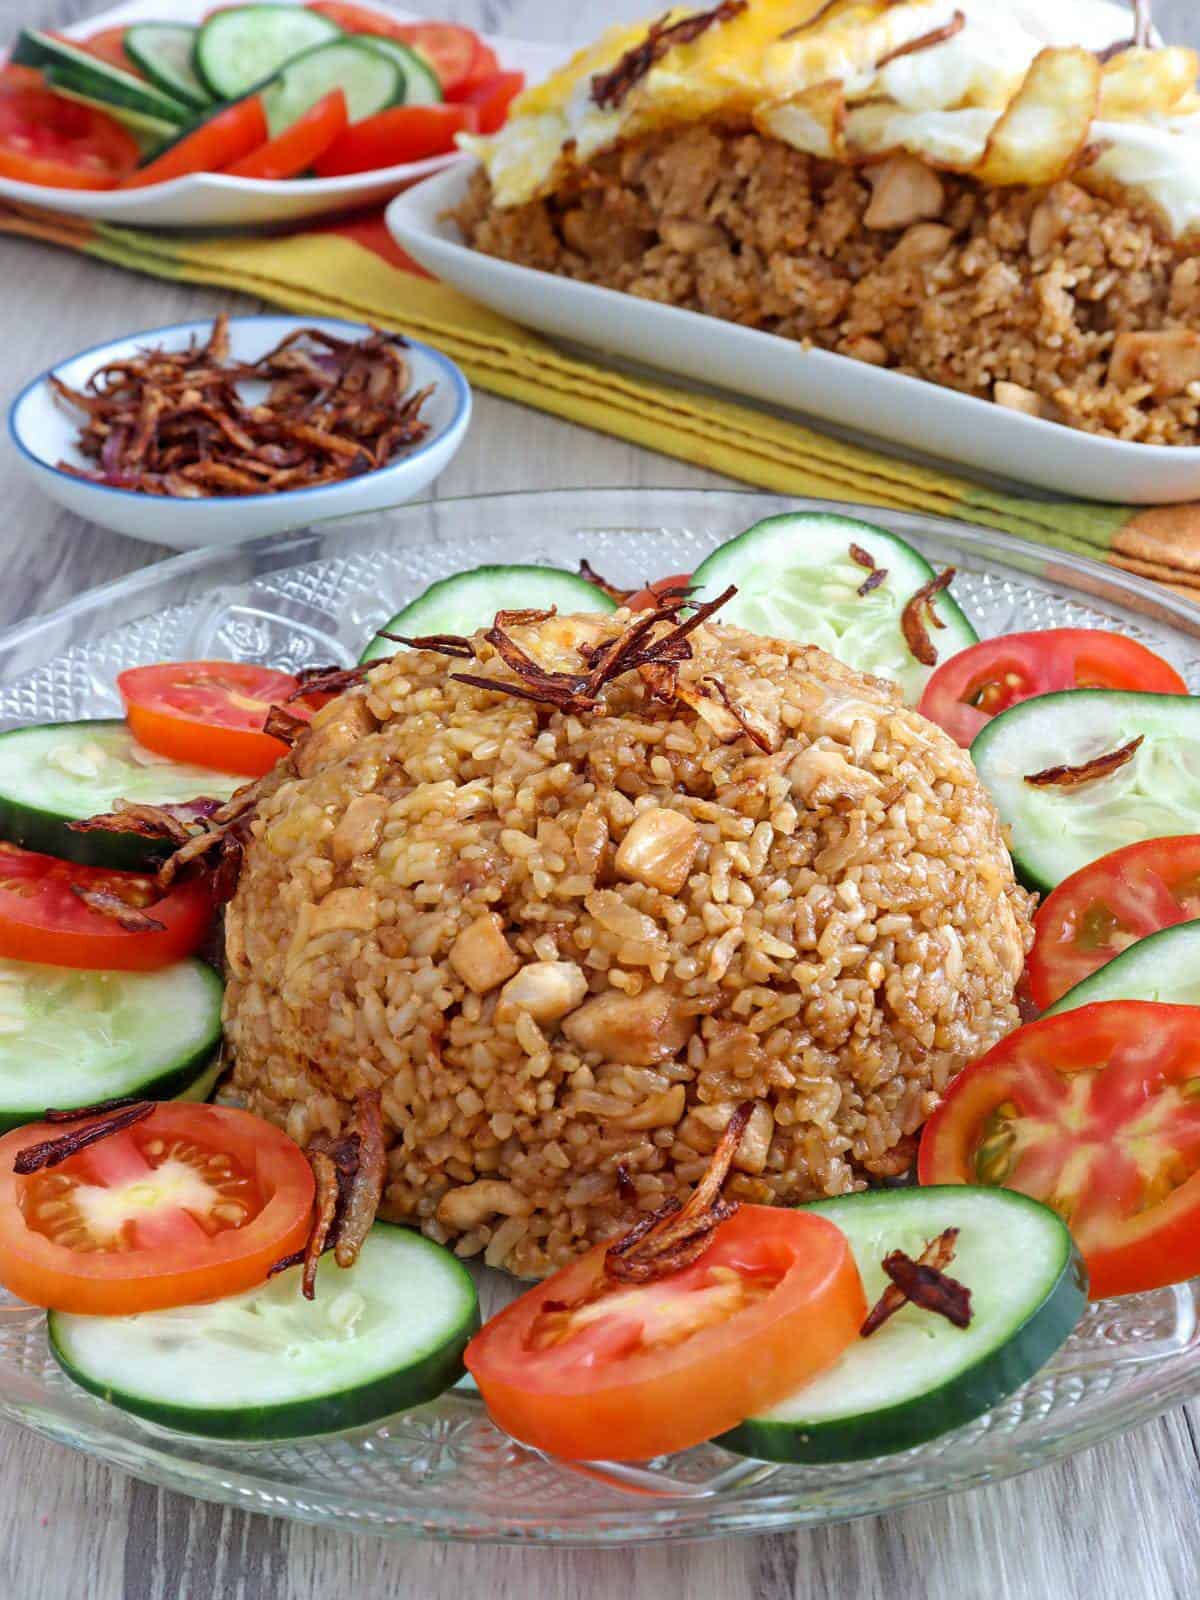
x: 444, y: 1471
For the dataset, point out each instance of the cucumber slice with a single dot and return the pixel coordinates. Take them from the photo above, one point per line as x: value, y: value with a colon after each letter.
x: 422, y: 87
x: 1056, y: 831
x: 918, y: 1376
x: 370, y: 80
x: 72, y: 1038
x: 57, y: 773
x: 108, y: 86
x: 238, y: 49
x: 470, y: 600
x: 381, y: 1336
x: 796, y: 580
x: 151, y: 133
x: 1164, y: 966
x: 163, y: 51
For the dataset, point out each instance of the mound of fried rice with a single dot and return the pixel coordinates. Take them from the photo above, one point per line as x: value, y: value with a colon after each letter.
x: 567, y: 946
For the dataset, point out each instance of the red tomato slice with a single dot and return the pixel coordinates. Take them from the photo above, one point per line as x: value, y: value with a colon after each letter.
x: 1106, y: 906
x: 358, y: 19
x: 646, y: 599
x: 1097, y: 1113
x: 43, y: 919
x: 491, y: 97
x: 297, y: 147
x: 192, y: 1203
x: 45, y: 139
x: 214, y: 145
x: 392, y: 138
x: 107, y: 45
x: 208, y: 712
x: 455, y: 53
x: 971, y: 688
x: 634, y: 1372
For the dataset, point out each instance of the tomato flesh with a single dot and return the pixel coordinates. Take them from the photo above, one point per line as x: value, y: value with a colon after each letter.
x: 297, y: 147
x: 1097, y: 1113
x: 455, y: 53
x: 491, y: 97
x: 589, y: 1370
x: 193, y: 1203
x: 43, y: 919
x: 652, y: 595
x: 107, y: 45
x: 1108, y: 905
x: 971, y: 688
x: 394, y: 138
x: 49, y: 140
x: 213, y: 146
x: 209, y: 712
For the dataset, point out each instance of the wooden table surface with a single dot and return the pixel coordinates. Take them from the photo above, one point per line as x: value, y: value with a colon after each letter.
x: 1117, y: 1521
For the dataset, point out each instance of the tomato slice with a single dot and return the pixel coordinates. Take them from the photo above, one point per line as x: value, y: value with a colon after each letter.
x: 646, y: 599
x: 208, y: 712
x: 392, y: 138
x: 1106, y: 906
x: 192, y: 1203
x: 42, y: 918
x: 1097, y: 1113
x: 358, y: 19
x: 48, y: 140
x: 297, y: 147
x: 214, y: 145
x: 625, y: 1373
x: 455, y: 53
x: 491, y: 97
x: 971, y: 688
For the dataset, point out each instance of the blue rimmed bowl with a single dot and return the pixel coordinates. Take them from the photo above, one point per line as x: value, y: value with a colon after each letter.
x: 43, y: 432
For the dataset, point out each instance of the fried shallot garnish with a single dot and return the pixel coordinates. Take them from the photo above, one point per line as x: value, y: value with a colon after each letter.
x: 925, y: 41
x: 1098, y: 767
x: 671, y: 1238
x: 150, y: 822
x: 818, y: 15
x: 110, y: 905
x: 875, y: 575
x: 81, y: 1113
x: 328, y: 680
x: 51, y: 1152
x: 349, y: 1171
x: 174, y: 422
x: 610, y: 88
x: 1143, y: 33
x: 588, y: 571
x: 284, y: 725
x: 757, y: 735
x: 919, y: 614
x: 924, y: 1283
x: 444, y: 644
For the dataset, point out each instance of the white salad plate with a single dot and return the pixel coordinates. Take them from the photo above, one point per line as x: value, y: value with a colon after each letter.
x: 43, y: 432
x: 213, y: 200
x: 444, y: 1470
x: 907, y: 412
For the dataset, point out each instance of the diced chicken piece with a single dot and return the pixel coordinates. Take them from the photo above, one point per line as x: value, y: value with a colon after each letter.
x: 658, y: 1110
x: 905, y: 191
x: 637, y: 1030
x: 334, y: 732
x: 547, y: 990
x: 358, y: 831
x: 1053, y: 215
x: 1168, y: 360
x: 659, y: 848
x: 349, y: 910
x: 1014, y: 398
x: 475, y: 1202
x: 820, y: 776
x: 920, y: 244
x: 481, y: 955
x: 687, y: 236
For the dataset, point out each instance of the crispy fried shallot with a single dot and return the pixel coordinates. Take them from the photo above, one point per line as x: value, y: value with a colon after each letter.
x: 922, y: 1282
x: 444, y: 644
x: 818, y: 15
x: 588, y: 571
x: 328, y: 680
x: 174, y: 422
x: 51, y: 1152
x: 918, y: 614
x: 1143, y: 33
x: 284, y: 725
x: 925, y: 41
x: 671, y: 1238
x: 110, y: 905
x: 149, y: 822
x: 81, y: 1113
x: 349, y: 1171
x: 610, y: 88
x: 875, y: 575
x: 758, y: 736
x: 1098, y: 767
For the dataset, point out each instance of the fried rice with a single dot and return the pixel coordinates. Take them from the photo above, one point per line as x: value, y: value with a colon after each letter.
x: 566, y: 946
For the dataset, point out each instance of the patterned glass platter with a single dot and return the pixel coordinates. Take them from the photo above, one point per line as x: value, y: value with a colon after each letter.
x: 445, y: 1471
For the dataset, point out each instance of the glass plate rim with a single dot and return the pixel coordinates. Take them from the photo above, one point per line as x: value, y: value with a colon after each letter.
x: 885, y: 1483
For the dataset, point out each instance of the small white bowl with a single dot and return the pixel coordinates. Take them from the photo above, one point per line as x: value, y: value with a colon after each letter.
x: 44, y: 432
